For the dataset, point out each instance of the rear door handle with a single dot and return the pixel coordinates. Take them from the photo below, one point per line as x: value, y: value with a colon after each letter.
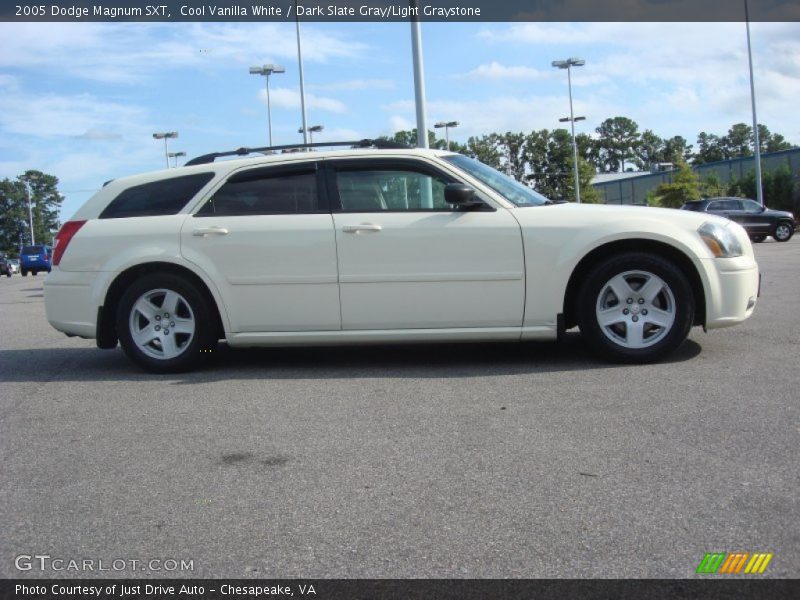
x: 361, y: 227
x: 204, y: 231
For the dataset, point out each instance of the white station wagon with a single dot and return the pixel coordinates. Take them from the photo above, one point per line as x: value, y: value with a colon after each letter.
x: 382, y: 245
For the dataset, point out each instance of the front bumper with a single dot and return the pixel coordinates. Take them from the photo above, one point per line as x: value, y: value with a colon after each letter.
x: 732, y: 290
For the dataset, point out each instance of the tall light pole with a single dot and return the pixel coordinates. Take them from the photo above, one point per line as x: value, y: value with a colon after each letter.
x: 447, y: 125
x: 568, y: 64
x: 165, y: 135
x: 419, y: 80
x: 302, y: 79
x: 266, y: 71
x: 28, y: 189
x: 756, y: 140
x: 175, y: 155
x: 311, y: 131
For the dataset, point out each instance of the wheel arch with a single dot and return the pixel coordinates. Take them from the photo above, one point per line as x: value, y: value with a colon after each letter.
x: 603, y: 252
x: 106, y: 313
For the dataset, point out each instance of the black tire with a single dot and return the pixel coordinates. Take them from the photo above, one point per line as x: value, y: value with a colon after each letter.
x: 783, y: 232
x: 195, y: 349
x: 675, y: 299
x: 8, y: 273
x: 34, y: 273
x: 758, y: 238
x: 24, y: 273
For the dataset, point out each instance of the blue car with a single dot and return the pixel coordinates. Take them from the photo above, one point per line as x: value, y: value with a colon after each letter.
x: 36, y: 258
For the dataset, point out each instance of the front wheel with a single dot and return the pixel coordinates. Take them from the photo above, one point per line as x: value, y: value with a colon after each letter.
x: 635, y: 308
x: 165, y: 324
x: 24, y: 273
x: 783, y: 232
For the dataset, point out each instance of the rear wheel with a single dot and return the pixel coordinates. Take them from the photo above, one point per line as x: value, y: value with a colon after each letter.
x: 758, y: 238
x: 24, y: 273
x: 165, y: 324
x: 34, y: 273
x: 635, y: 308
x: 783, y: 232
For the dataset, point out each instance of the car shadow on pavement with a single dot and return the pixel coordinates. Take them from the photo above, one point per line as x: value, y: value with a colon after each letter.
x: 417, y: 361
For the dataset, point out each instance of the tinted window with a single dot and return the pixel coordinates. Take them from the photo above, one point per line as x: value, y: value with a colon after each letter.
x: 33, y: 249
x: 390, y: 190
x: 724, y: 205
x: 693, y: 206
x: 751, y: 206
x: 265, y: 194
x: 165, y: 197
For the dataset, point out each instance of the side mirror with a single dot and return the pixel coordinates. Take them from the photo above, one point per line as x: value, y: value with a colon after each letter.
x: 763, y: 208
x: 461, y: 195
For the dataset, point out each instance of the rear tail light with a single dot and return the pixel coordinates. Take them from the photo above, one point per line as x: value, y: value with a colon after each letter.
x: 63, y: 237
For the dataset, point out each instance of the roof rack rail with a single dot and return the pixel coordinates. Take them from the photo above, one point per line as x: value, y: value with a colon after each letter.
x: 365, y: 143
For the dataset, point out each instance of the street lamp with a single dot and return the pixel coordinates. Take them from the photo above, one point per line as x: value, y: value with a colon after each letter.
x: 311, y: 130
x: 568, y: 64
x: 175, y: 155
x: 266, y: 71
x: 165, y: 135
x: 28, y: 189
x: 447, y: 125
x: 756, y: 141
x: 302, y: 79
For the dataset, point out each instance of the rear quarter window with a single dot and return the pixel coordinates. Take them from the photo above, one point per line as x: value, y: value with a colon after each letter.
x: 164, y: 197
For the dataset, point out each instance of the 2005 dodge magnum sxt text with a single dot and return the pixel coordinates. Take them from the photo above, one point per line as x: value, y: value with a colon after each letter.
x: 369, y: 244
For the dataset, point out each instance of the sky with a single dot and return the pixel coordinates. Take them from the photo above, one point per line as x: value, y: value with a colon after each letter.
x: 81, y: 100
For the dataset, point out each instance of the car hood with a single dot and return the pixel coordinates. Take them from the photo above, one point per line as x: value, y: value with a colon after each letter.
x: 778, y: 213
x: 584, y: 215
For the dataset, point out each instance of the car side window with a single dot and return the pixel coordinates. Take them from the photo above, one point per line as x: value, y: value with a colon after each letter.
x: 390, y: 190
x: 750, y: 206
x: 164, y: 197
x: 733, y: 205
x: 724, y: 205
x: 265, y: 193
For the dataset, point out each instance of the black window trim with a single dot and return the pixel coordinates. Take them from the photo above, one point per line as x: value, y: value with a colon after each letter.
x: 333, y: 165
x: 267, y: 172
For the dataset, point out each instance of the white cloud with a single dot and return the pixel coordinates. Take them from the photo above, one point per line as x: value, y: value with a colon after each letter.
x: 76, y: 116
x: 129, y: 53
x: 495, y: 70
x: 286, y: 98
x: 398, y: 123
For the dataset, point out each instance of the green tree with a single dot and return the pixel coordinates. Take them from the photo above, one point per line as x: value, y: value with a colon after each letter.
x: 586, y: 172
x: 778, y: 185
x: 709, y: 149
x: 685, y: 187
x: 712, y: 186
x: 617, y: 141
x: 485, y: 149
x: 14, y: 218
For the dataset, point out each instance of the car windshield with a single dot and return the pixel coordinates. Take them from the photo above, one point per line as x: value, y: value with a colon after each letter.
x: 32, y: 249
x: 509, y: 188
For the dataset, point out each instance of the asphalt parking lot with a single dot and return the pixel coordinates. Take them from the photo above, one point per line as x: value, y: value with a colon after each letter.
x: 491, y: 460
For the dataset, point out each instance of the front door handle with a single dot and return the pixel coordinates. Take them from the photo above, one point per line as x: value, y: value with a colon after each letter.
x: 361, y: 227
x: 204, y: 231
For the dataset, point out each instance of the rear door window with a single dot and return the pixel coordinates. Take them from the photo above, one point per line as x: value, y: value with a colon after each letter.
x: 271, y: 191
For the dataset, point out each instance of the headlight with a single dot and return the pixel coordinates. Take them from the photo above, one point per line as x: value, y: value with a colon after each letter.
x: 720, y: 240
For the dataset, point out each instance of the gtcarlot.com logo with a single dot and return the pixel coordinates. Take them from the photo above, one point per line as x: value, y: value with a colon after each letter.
x: 734, y: 563
x: 45, y: 562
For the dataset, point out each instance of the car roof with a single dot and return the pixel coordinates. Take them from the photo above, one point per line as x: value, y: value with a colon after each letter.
x: 224, y: 167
